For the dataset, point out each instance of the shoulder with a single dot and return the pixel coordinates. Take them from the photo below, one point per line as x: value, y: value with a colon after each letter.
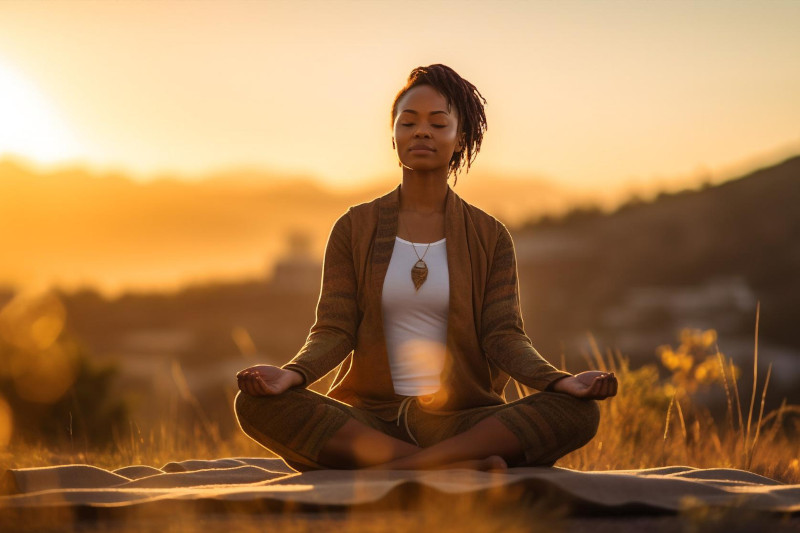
x: 479, y: 215
x: 362, y: 216
x: 369, y: 208
x: 487, y: 226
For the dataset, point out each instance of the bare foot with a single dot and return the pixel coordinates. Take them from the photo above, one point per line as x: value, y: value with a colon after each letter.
x: 495, y: 463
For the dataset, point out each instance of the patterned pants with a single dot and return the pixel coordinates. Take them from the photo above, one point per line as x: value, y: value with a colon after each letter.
x: 297, y: 424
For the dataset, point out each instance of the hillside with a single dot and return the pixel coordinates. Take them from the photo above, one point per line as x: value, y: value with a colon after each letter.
x: 691, y: 259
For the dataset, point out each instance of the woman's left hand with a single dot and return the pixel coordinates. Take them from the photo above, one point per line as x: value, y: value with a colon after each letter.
x: 591, y: 385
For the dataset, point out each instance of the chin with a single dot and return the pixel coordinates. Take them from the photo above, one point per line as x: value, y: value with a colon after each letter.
x: 422, y: 168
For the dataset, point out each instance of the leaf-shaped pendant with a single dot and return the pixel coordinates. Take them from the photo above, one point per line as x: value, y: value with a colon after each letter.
x: 419, y: 274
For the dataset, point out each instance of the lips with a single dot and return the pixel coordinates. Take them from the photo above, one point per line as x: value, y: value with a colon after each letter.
x: 421, y: 147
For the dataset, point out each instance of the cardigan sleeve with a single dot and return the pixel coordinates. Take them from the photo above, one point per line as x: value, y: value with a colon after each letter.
x: 503, y: 337
x: 332, y: 337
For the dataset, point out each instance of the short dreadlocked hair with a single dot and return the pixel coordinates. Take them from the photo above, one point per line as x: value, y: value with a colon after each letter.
x: 467, y: 100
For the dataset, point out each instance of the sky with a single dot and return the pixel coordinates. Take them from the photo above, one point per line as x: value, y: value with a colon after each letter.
x: 589, y: 94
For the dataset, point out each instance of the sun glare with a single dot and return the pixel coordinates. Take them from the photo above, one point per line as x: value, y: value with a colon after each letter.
x: 29, y: 125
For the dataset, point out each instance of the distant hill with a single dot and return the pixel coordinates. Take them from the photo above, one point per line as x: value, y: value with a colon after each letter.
x: 77, y: 228
x: 696, y: 258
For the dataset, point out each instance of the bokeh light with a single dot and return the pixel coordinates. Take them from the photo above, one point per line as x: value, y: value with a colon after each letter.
x: 42, y: 369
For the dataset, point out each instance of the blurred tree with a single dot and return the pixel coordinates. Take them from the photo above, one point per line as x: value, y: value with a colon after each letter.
x: 56, y: 393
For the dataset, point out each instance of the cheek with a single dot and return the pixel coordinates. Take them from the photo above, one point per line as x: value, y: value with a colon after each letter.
x: 451, y: 132
x: 452, y: 137
x: 398, y: 134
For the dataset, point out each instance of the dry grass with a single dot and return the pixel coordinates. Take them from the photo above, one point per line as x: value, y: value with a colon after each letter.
x: 652, y: 422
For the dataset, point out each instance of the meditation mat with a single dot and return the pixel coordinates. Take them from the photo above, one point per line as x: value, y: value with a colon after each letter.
x: 263, y: 484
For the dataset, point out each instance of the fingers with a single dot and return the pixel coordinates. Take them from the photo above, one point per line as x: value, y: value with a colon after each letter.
x: 246, y: 385
x: 254, y: 386
x: 596, y: 388
x: 603, y: 387
x: 243, y: 376
x: 247, y: 380
x: 252, y: 382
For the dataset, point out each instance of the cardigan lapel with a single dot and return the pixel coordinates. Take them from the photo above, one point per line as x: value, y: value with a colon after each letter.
x: 458, y: 263
x: 385, y: 234
x: 460, y: 313
x: 378, y: 372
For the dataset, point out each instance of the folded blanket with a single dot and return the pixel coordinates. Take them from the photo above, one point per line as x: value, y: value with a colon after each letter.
x: 259, y: 481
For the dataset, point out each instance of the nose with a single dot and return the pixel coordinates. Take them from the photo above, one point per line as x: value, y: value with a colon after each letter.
x: 422, y: 131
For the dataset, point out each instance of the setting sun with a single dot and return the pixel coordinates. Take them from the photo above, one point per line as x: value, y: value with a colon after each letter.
x: 29, y: 125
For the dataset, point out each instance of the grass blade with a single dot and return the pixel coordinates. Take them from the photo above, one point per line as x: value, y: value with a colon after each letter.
x: 669, y: 412
x: 760, y: 414
x: 727, y: 389
x: 755, y: 384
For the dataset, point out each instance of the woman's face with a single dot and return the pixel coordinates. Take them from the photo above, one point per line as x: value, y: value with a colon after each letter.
x: 425, y: 130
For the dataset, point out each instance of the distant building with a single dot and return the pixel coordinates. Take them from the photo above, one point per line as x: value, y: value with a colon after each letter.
x: 297, y: 271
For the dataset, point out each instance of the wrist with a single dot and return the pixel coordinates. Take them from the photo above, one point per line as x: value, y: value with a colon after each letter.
x: 558, y: 384
x: 295, y: 378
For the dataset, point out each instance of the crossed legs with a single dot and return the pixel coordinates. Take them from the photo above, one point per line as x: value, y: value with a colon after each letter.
x: 318, y: 432
x: 488, y: 445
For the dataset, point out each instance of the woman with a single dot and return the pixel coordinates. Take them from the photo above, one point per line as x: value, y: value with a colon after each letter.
x: 420, y: 302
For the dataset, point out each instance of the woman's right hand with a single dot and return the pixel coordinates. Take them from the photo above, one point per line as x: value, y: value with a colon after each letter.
x: 266, y: 380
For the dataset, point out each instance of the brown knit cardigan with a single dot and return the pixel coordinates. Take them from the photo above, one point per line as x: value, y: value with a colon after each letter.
x: 485, y: 338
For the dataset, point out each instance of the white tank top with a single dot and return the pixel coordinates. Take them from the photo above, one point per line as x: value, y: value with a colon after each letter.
x: 415, y: 322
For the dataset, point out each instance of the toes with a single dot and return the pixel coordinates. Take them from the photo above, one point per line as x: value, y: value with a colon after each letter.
x: 495, y: 463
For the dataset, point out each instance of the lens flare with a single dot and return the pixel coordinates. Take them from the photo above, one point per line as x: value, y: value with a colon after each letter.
x: 48, y: 375
x: 41, y: 367
x: 32, y: 323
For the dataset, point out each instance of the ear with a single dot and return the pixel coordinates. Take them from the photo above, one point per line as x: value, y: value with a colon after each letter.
x: 461, y: 142
x: 393, y: 145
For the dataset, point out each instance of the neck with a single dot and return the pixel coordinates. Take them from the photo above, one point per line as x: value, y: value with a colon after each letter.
x: 423, y: 193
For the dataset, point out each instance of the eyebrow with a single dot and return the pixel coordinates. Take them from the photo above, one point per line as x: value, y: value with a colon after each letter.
x: 416, y: 113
